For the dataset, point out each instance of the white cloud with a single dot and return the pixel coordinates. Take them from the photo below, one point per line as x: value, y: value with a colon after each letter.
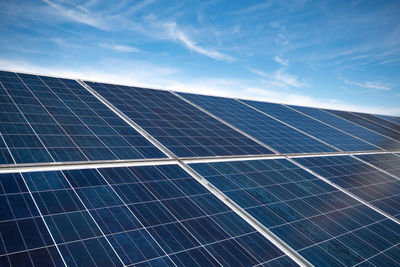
x: 281, y: 78
x: 369, y: 85
x: 120, y: 48
x: 82, y: 15
x: 176, y: 34
x: 283, y: 62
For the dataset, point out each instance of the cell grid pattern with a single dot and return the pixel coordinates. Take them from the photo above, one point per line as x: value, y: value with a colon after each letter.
x: 351, y: 128
x: 392, y: 119
x: 182, y: 128
x: 313, y: 127
x: 366, y: 123
x: 145, y: 216
x: 387, y: 162
x: 46, y: 119
x: 366, y: 182
x: 271, y: 132
x: 326, y: 226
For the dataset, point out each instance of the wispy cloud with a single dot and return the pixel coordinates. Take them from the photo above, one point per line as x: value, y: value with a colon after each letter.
x: 80, y: 15
x: 178, y: 35
x: 120, y: 48
x: 369, y: 85
x: 281, y: 78
x: 283, y: 62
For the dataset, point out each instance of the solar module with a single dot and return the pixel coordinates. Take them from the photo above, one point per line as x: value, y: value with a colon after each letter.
x: 150, y: 215
x: 387, y: 162
x: 368, y: 183
x: 351, y: 128
x: 313, y: 127
x: 179, y: 126
x: 379, y: 121
x: 323, y: 224
x: 392, y: 119
x: 48, y: 119
x: 366, y: 123
x: 271, y: 132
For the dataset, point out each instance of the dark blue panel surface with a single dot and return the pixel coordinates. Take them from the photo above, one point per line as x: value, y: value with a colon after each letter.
x: 269, y: 131
x: 182, y: 128
x: 152, y: 215
x: 386, y: 162
x: 351, y: 128
x: 323, y: 224
x: 379, y: 121
x: 366, y: 123
x: 364, y: 181
x: 25, y: 239
x: 313, y: 127
x: 5, y: 156
x: 48, y: 119
x: 392, y: 119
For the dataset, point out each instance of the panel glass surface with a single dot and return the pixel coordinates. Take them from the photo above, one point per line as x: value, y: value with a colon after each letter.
x: 150, y: 216
x: 182, y: 128
x: 323, y: 224
x: 392, y: 119
x: 366, y: 123
x: 380, y: 121
x: 366, y: 182
x: 48, y: 119
x: 351, y: 128
x: 25, y: 240
x: 269, y: 131
x: 315, y: 128
x: 5, y: 156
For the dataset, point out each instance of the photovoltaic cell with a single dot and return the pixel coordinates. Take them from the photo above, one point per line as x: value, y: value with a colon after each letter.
x: 366, y: 182
x: 151, y: 215
x: 366, y: 123
x: 323, y: 224
x: 379, y: 121
x: 48, y: 119
x: 182, y: 128
x: 349, y: 127
x: 269, y: 131
x: 5, y: 156
x: 319, y: 130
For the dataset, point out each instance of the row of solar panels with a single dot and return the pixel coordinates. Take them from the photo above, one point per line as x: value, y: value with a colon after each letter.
x: 161, y: 216
x: 44, y: 119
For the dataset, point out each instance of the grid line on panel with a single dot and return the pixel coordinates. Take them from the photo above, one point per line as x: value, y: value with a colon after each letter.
x: 330, y: 125
x: 383, y: 164
x: 388, y: 118
x: 287, y: 124
x: 7, y: 148
x: 338, y: 139
x: 225, y: 122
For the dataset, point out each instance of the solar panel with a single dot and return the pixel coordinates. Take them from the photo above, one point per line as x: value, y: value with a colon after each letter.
x: 326, y: 226
x: 48, y: 119
x: 349, y: 127
x: 150, y: 215
x: 379, y: 121
x: 390, y: 118
x: 5, y: 156
x: 366, y: 182
x: 269, y: 131
x: 317, y: 129
x: 366, y: 123
x: 386, y: 162
x: 182, y: 128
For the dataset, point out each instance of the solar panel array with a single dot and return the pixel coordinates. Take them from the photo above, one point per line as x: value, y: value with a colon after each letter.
x: 95, y: 174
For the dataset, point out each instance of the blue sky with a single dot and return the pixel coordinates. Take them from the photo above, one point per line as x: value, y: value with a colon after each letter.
x: 335, y: 54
